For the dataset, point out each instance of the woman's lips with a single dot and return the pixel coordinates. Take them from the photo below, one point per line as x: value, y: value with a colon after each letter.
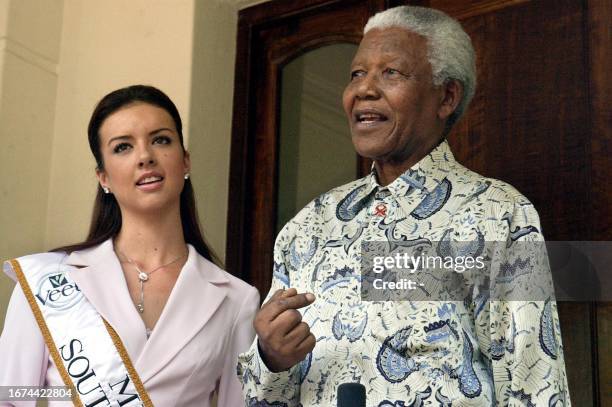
x: 150, y: 186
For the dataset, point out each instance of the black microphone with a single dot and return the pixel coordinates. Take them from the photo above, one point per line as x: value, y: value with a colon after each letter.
x: 351, y: 395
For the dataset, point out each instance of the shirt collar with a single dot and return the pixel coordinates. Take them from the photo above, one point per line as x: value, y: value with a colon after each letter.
x: 425, y: 175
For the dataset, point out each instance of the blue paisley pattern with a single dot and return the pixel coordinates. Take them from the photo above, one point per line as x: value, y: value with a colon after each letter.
x: 548, y: 340
x: 439, y: 331
x: 420, y: 397
x: 500, y: 346
x: 305, y: 367
x: 522, y: 397
x: 472, y: 248
x: 518, y: 232
x: 389, y: 403
x: 434, y: 201
x: 476, y: 351
x: 442, y: 400
x: 469, y: 384
x: 393, y: 361
x: 351, y: 331
x: 346, y: 209
x: 253, y: 402
x: 413, y: 179
x: 347, y: 241
x: 509, y: 272
x: 280, y: 273
x: 340, y: 277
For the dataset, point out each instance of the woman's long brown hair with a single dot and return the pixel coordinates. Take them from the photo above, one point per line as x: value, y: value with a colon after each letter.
x: 106, y: 217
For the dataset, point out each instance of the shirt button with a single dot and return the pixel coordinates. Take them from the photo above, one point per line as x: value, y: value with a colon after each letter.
x: 382, y: 194
x: 380, y: 210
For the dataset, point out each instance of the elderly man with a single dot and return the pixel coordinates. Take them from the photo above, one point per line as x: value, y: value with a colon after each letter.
x: 412, y: 78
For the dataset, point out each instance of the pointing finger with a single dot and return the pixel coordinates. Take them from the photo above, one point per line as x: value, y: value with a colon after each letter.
x: 275, y: 307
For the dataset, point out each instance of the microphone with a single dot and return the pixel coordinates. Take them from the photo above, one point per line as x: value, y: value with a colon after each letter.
x: 351, y: 395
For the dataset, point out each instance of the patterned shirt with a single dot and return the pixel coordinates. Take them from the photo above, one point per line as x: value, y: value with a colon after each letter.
x: 476, y: 352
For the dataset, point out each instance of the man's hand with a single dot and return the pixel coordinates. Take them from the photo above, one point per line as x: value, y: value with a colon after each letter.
x: 284, y: 340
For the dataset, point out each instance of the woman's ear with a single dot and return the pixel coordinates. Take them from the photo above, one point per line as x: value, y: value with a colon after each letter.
x: 102, y: 178
x: 453, y: 93
x: 187, y: 161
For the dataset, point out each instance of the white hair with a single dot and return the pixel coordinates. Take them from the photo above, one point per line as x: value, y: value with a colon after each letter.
x: 449, y: 48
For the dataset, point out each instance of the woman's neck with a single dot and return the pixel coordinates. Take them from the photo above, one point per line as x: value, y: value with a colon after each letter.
x: 151, y: 241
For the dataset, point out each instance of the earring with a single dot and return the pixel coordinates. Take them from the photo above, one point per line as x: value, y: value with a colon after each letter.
x: 106, y: 190
x: 187, y: 176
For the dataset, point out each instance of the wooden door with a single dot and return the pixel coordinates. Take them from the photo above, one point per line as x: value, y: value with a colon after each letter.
x: 269, y: 36
x: 539, y: 120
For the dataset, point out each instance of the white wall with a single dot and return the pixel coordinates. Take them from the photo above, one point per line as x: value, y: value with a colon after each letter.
x: 107, y: 45
x: 210, y: 114
x: 57, y: 59
x: 30, y: 34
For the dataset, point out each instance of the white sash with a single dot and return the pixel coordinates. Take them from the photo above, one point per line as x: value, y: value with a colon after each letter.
x: 86, y: 350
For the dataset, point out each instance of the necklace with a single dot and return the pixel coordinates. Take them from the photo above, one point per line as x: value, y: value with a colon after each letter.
x: 143, y: 277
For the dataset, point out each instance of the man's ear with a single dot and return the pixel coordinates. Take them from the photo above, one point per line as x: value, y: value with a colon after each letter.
x: 453, y: 93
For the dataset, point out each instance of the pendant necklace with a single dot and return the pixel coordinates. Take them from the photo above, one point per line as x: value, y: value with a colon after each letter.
x: 143, y: 277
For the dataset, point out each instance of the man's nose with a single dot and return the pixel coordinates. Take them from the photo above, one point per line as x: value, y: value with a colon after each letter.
x: 368, y: 87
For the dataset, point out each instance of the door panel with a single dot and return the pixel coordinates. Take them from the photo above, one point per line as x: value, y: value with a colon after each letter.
x: 269, y: 37
x: 315, y: 148
x: 529, y: 124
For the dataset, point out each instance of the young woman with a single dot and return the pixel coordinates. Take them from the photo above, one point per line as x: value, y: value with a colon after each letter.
x: 138, y: 313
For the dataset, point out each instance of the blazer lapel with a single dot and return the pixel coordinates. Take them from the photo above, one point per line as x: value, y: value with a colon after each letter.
x: 198, y: 292
x: 100, y: 277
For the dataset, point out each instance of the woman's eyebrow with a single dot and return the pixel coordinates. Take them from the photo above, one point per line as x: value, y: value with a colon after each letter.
x: 124, y: 137
x: 127, y: 136
x: 161, y: 129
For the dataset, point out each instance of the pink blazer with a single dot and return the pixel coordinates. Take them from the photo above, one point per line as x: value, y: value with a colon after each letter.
x: 191, y: 353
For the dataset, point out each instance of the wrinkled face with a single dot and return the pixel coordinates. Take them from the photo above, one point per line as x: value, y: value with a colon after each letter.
x: 391, y: 103
x: 144, y: 162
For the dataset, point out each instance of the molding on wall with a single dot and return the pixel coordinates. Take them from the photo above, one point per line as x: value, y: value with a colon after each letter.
x: 22, y: 52
x: 240, y: 4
